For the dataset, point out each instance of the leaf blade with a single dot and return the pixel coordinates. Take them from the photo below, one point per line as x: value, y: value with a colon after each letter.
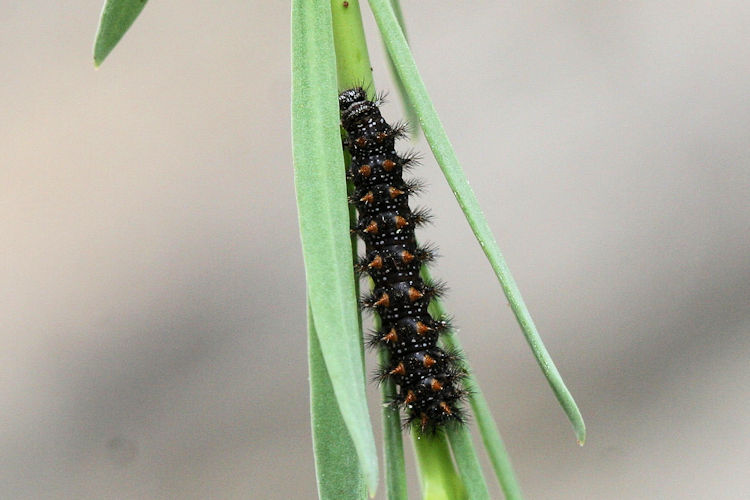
x: 460, y: 439
x: 336, y: 464
x: 411, y: 115
x: 468, y: 463
x: 446, y: 157
x: 493, y: 442
x: 116, y: 18
x: 324, y: 220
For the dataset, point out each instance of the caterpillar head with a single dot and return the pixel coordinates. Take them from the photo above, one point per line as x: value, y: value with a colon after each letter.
x: 354, y: 104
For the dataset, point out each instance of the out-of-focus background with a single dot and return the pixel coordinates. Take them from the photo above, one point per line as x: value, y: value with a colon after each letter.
x: 152, y: 333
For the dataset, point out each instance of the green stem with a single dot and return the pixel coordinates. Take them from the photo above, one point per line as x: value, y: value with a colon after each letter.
x: 352, y: 59
x: 352, y: 65
x: 437, y: 476
x: 395, y: 465
x: 353, y: 69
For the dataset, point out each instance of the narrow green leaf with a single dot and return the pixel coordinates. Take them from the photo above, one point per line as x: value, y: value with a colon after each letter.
x: 491, y: 438
x: 460, y: 439
x: 493, y: 443
x: 446, y: 158
x: 324, y: 220
x: 117, y: 17
x: 411, y: 115
x: 336, y: 464
x: 468, y: 463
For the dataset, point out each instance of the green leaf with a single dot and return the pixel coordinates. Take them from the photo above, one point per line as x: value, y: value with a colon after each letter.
x: 324, y: 220
x: 460, y: 439
x: 336, y: 465
x: 491, y: 438
x: 411, y: 115
x: 468, y: 463
x: 117, y: 17
x: 446, y: 158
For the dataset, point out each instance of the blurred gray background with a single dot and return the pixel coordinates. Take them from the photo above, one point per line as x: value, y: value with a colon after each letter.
x: 152, y: 293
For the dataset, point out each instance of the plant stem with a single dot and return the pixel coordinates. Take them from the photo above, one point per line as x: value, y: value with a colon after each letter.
x: 437, y: 476
x: 352, y: 59
x: 353, y: 69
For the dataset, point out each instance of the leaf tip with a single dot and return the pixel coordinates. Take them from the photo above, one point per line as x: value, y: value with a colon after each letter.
x: 100, y: 52
x: 372, y: 480
x: 581, y: 434
x: 116, y: 18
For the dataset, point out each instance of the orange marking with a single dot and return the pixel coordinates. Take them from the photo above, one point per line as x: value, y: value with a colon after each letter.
x: 400, y: 222
x: 428, y: 361
x: 394, y: 192
x: 410, y: 397
x: 368, y: 198
x: 415, y: 294
x: 446, y: 409
x: 399, y: 370
x: 376, y: 263
x: 422, y: 328
x: 391, y: 336
x: 381, y: 136
x: 365, y: 170
x: 361, y: 141
x: 407, y: 256
x: 388, y: 165
x: 384, y: 300
x: 435, y: 385
x: 372, y: 228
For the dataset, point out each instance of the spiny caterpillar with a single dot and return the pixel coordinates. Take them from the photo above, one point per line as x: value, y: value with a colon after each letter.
x: 427, y: 377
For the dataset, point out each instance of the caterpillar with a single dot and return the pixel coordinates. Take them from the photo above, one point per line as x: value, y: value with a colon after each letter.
x: 428, y: 378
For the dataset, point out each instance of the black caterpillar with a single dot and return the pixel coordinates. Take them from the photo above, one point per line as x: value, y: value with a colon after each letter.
x: 427, y: 377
